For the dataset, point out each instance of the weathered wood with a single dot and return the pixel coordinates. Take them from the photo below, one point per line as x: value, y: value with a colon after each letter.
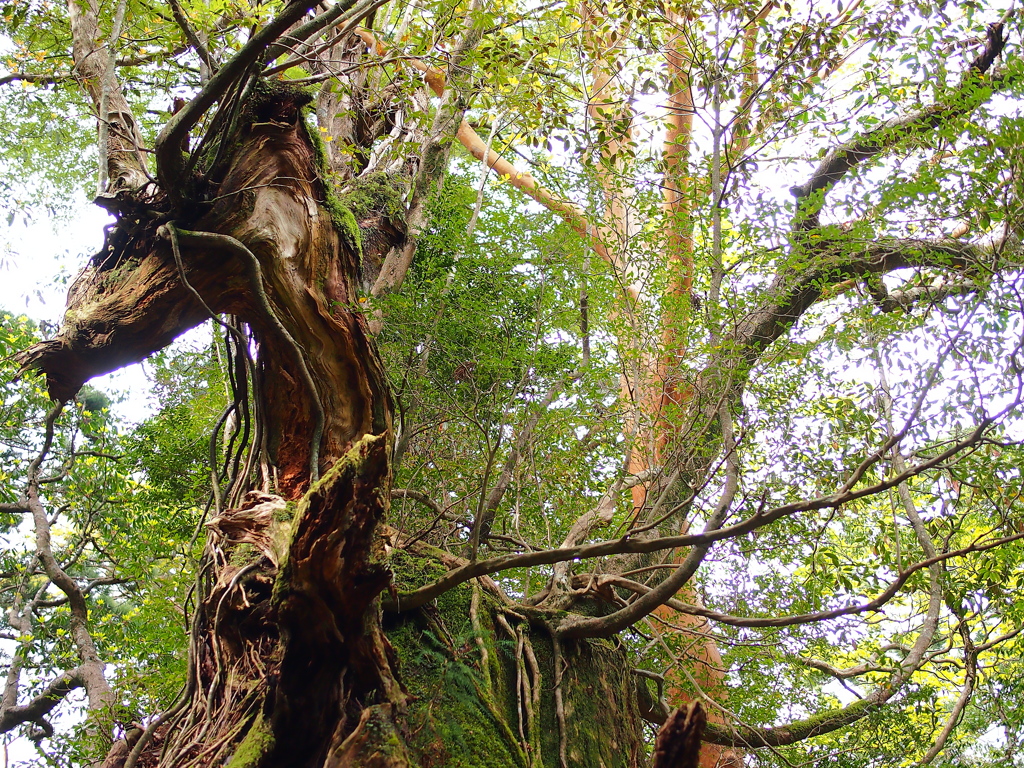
x: 678, y: 742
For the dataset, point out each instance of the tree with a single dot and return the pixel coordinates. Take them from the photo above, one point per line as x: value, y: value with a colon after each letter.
x: 485, y: 464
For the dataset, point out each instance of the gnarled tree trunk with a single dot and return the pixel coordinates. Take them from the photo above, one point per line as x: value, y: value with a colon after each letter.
x: 290, y: 663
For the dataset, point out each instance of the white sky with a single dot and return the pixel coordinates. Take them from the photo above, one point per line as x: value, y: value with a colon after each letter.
x: 34, y: 256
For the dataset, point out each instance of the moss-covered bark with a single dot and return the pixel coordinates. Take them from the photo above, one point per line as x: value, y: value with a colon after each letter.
x: 291, y: 662
x: 465, y: 714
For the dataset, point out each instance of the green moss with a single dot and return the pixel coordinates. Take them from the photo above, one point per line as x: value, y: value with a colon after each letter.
x: 457, y: 721
x: 821, y: 721
x: 411, y: 572
x: 454, y: 719
x: 376, y: 191
x: 345, y: 222
x: 383, y: 743
x: 257, y: 743
x: 342, y: 217
x: 351, y: 464
x: 599, y: 699
x: 243, y: 554
x: 451, y: 721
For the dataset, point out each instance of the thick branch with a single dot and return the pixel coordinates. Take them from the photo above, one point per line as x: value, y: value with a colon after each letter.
x: 170, y: 160
x: 842, y: 159
x: 792, y: 293
x: 791, y: 733
x: 42, y: 703
x: 872, y: 605
x: 29, y: 77
x: 91, y: 670
x: 126, y: 167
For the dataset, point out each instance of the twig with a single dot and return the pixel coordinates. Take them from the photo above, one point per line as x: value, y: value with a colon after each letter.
x: 191, y: 36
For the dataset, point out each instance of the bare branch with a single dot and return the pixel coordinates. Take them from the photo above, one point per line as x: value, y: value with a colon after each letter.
x: 422, y: 498
x: 434, y: 153
x: 88, y: 588
x: 461, y: 574
x: 42, y: 703
x: 836, y: 672
x: 485, y: 516
x: 873, y: 605
x: 31, y: 77
x: 966, y: 691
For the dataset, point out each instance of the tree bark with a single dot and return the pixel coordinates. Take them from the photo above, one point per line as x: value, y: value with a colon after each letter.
x: 290, y: 663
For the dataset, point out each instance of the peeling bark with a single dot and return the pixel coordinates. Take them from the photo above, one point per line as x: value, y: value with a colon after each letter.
x: 262, y: 240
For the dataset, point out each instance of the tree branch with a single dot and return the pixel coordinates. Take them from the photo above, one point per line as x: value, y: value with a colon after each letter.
x: 604, y: 626
x: 573, y: 215
x: 94, y: 69
x: 42, y: 703
x: 101, y: 582
x: 434, y: 153
x: 485, y: 517
x: 905, y: 298
x: 793, y: 292
x: 90, y: 671
x: 873, y: 605
x: 410, y: 600
x: 30, y: 77
x: 422, y: 498
x: 170, y: 160
x: 338, y: 14
x: 191, y: 36
x: 838, y: 718
x: 842, y: 159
